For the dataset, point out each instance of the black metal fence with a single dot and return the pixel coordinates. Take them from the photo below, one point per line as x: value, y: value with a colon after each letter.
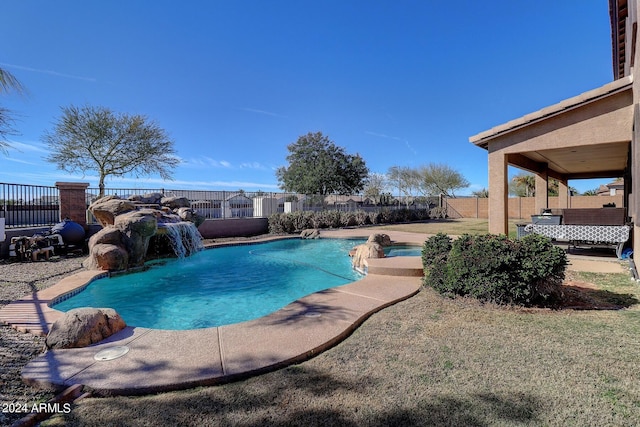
x: 32, y: 205
x: 28, y: 205
x: 245, y: 204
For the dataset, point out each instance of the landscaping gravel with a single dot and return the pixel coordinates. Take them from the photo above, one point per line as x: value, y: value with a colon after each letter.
x: 16, y: 348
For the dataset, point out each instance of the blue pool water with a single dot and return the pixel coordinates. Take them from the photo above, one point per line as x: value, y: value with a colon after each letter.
x: 222, y: 286
x: 403, y: 251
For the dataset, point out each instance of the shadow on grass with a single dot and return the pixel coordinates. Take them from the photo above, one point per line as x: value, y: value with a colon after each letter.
x: 583, y: 298
x: 302, y: 396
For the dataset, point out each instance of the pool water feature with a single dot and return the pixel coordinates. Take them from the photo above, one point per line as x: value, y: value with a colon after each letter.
x: 222, y: 286
x: 403, y: 250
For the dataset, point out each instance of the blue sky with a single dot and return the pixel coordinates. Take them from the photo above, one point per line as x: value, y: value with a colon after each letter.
x: 402, y: 83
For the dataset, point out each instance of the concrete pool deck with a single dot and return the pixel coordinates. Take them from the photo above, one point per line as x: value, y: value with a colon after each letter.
x: 162, y: 360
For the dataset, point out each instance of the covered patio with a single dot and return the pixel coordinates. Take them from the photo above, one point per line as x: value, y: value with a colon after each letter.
x: 587, y: 136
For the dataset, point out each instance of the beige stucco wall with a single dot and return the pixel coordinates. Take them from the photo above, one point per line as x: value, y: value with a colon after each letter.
x: 523, y: 207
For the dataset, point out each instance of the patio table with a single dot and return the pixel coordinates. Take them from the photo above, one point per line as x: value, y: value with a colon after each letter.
x: 594, y: 234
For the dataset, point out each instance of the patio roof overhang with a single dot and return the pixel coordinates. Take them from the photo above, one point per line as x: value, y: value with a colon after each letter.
x: 587, y: 136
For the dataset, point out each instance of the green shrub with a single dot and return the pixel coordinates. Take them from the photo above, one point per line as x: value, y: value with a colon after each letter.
x: 295, y: 222
x: 374, y: 217
x: 301, y: 220
x: 543, y: 264
x: 435, y: 251
x: 362, y: 218
x: 494, y: 268
x: 438, y: 212
x: 277, y: 223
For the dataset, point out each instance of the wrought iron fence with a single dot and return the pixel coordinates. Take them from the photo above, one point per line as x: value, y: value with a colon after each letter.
x: 213, y: 204
x: 29, y: 205
x: 33, y: 205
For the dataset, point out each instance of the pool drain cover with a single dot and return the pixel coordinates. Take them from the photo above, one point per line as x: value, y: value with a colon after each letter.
x: 111, y: 353
x: 313, y: 314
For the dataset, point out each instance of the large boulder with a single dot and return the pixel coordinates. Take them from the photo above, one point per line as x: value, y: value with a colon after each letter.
x: 310, y: 233
x: 81, y: 327
x: 107, y: 208
x: 190, y: 214
x: 175, y: 202
x: 379, y: 238
x: 364, y: 252
x: 137, y: 227
x: 108, y: 235
x: 106, y: 256
x: 147, y: 199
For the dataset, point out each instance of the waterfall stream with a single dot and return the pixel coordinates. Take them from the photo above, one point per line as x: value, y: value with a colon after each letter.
x: 184, y: 237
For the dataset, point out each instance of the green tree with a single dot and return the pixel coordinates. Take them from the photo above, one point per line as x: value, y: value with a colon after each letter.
x: 113, y: 144
x: 374, y: 187
x: 436, y: 179
x: 481, y: 194
x: 592, y: 192
x: 318, y: 166
x: 406, y: 180
x: 523, y: 185
x: 7, y: 83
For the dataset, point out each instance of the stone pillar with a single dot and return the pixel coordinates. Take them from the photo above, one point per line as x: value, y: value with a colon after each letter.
x: 563, y: 195
x: 542, y: 193
x: 633, y: 205
x: 498, y: 193
x: 73, y: 201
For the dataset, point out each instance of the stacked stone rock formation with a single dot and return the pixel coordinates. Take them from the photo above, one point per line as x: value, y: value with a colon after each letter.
x: 373, y: 248
x: 128, y: 225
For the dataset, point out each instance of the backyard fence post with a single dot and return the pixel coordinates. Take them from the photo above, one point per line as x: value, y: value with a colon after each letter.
x: 73, y: 201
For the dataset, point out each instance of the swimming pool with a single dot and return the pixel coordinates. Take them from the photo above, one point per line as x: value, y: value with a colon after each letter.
x: 222, y: 286
x: 403, y: 250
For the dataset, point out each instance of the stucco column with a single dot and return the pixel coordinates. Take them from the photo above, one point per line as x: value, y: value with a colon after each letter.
x: 498, y: 193
x: 73, y: 201
x: 542, y: 193
x: 563, y: 195
x: 633, y: 194
x: 633, y: 204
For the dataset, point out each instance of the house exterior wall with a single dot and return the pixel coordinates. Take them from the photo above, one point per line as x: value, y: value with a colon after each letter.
x: 630, y: 56
x: 524, y: 207
x: 607, y: 120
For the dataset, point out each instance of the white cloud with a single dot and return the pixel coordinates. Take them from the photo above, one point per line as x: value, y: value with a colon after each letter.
x: 253, y: 165
x: 382, y: 135
x: 29, y: 146
x: 207, y: 162
x: 190, y: 184
x: 50, y: 72
x: 266, y: 113
x: 395, y: 138
x: 24, y: 162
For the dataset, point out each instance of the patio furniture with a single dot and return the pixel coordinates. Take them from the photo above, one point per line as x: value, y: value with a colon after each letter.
x: 594, y: 227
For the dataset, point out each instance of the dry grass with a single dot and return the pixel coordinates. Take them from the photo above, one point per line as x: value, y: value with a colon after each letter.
x: 431, y: 360
x: 451, y: 226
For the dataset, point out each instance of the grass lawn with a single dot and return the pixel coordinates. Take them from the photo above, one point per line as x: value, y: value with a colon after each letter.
x: 452, y: 226
x: 431, y: 360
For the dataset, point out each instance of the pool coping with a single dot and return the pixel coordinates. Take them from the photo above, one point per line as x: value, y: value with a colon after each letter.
x: 163, y: 360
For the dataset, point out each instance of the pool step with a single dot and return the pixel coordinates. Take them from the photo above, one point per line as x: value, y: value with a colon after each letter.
x: 407, y: 266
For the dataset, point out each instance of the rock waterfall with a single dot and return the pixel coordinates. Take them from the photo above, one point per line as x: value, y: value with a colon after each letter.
x: 129, y: 224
